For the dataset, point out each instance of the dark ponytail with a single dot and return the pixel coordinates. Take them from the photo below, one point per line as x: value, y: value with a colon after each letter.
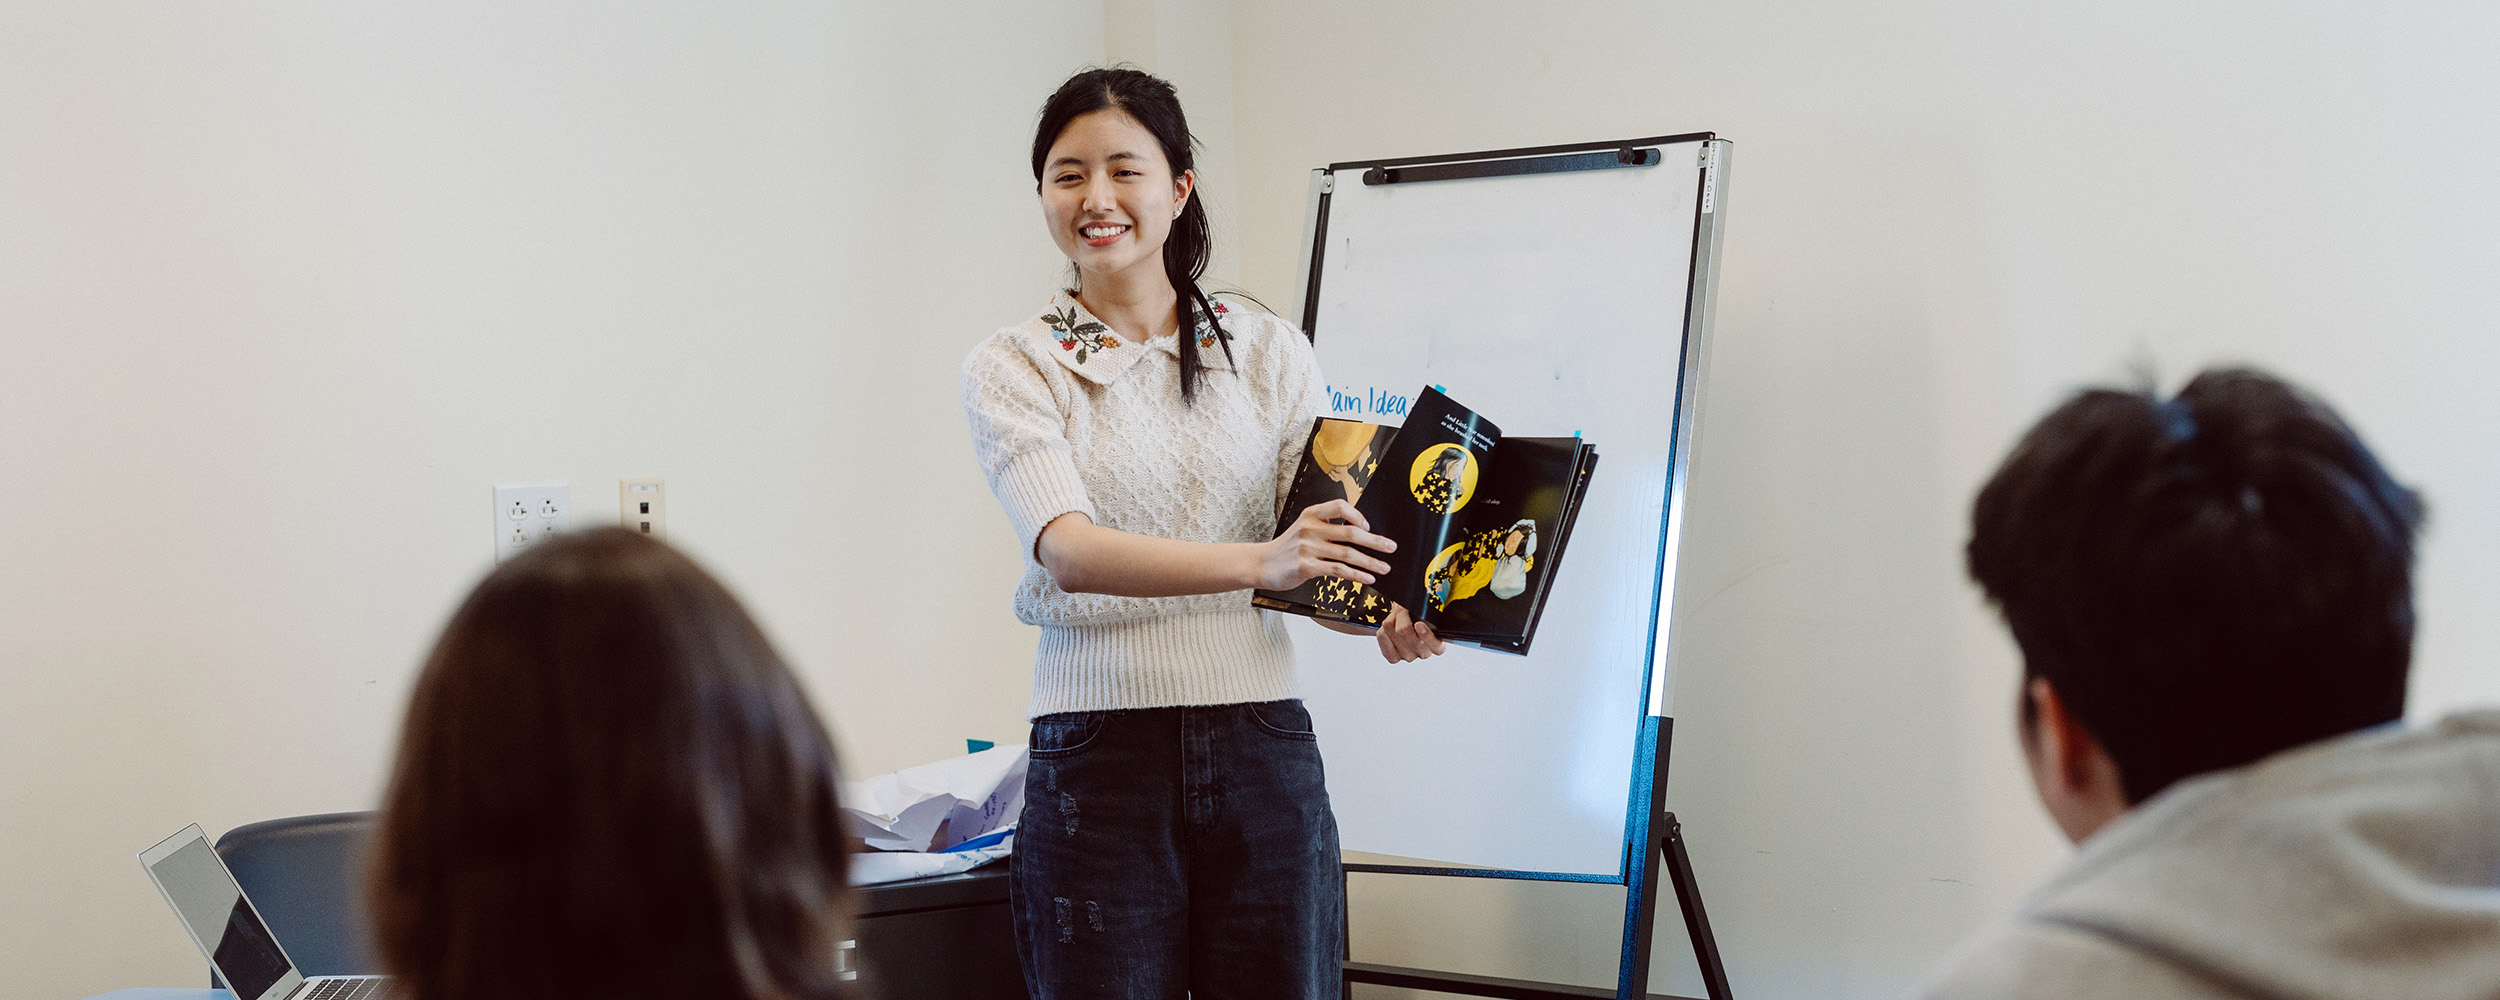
x: 1153, y: 104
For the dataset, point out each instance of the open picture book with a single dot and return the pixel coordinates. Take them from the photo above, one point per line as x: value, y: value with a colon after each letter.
x: 1480, y: 520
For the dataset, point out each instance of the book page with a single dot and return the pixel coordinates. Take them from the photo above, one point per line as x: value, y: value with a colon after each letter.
x: 1432, y: 470
x: 1486, y: 584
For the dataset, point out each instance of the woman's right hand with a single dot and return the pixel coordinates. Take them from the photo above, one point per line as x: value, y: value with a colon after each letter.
x: 1314, y: 545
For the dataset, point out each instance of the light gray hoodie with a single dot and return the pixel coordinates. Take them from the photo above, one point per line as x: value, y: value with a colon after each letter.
x: 2365, y: 866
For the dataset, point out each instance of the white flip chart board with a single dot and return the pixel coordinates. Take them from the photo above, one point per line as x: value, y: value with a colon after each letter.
x: 1553, y: 303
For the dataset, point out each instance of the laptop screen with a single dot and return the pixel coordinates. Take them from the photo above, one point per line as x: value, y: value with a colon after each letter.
x: 204, y: 893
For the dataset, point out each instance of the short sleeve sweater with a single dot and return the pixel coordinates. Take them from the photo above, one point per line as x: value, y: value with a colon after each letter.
x: 1068, y: 416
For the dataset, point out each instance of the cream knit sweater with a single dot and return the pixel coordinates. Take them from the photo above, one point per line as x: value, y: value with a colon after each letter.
x: 1068, y: 416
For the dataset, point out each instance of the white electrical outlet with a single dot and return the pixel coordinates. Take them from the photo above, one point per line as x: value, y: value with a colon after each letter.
x: 642, y: 505
x: 526, y: 514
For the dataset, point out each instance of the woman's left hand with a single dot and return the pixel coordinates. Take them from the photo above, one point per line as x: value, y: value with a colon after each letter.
x: 1402, y: 639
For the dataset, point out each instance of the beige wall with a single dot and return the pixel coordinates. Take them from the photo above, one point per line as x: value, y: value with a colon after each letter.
x: 1944, y: 216
x: 284, y: 289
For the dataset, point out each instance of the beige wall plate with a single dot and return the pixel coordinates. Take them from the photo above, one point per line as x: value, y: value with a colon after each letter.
x: 642, y: 505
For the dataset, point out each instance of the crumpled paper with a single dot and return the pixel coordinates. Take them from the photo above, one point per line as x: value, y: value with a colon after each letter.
x: 949, y: 816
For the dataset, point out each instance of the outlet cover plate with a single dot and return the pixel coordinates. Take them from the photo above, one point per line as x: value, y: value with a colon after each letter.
x: 524, y: 515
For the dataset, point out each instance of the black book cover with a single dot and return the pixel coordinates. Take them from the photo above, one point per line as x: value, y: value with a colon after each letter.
x: 1480, y: 520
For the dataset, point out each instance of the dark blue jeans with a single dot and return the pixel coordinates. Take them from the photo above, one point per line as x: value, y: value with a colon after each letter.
x: 1166, y: 851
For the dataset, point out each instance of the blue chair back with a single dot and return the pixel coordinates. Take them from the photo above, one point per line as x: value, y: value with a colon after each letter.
x: 306, y: 875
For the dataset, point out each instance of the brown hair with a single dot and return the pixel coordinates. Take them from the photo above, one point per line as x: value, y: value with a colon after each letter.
x: 609, y: 784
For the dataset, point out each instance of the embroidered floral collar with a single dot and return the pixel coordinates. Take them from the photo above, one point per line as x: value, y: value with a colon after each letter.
x: 1088, y: 347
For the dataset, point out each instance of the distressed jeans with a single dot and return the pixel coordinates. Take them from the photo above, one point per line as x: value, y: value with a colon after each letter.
x: 1166, y: 852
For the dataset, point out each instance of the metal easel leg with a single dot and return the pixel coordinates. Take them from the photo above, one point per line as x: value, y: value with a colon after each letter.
x: 1696, y: 921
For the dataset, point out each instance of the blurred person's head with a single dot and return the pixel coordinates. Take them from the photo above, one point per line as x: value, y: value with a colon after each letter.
x: 2196, y: 583
x: 609, y: 785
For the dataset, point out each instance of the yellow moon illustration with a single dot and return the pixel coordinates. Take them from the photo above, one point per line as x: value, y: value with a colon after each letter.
x: 1462, y: 486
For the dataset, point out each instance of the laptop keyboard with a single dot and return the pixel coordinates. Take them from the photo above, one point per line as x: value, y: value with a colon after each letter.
x: 350, y: 988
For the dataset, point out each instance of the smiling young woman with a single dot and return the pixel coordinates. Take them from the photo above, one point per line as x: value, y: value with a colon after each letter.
x: 1176, y: 834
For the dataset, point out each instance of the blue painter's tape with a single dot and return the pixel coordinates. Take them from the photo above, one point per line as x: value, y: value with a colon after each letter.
x: 990, y: 839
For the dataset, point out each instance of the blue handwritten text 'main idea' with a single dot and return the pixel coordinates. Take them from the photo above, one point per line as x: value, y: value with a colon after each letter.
x: 1371, y: 402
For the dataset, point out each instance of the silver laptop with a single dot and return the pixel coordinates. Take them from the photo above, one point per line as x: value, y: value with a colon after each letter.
x: 229, y: 931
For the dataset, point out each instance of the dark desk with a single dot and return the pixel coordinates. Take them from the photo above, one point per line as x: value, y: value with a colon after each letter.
x: 950, y: 937
x: 945, y: 937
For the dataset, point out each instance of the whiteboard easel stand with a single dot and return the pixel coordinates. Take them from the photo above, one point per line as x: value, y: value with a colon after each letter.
x: 1652, y: 835
x: 1639, y: 918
